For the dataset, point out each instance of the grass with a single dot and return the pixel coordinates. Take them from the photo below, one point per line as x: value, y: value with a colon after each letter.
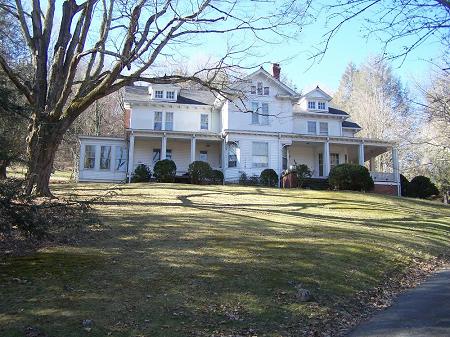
x: 181, y: 260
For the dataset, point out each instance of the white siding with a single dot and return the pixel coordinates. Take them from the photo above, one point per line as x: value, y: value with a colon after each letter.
x: 97, y: 174
x: 301, y: 125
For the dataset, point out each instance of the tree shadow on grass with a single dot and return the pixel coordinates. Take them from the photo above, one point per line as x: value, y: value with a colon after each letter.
x: 195, y: 264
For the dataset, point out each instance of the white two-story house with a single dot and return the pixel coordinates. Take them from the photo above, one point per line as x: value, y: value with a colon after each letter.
x: 268, y: 126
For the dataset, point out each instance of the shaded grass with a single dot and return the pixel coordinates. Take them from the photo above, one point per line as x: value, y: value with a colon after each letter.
x: 183, y: 260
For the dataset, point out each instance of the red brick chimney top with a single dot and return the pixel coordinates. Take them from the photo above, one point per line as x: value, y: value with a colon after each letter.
x: 276, y: 70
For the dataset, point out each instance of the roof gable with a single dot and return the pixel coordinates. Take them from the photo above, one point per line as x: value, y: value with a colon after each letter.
x: 262, y: 72
x: 318, y: 93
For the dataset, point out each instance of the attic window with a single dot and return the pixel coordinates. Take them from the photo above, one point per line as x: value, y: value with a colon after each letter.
x: 170, y: 94
x: 260, y: 88
x: 321, y: 105
x: 266, y: 91
x: 159, y: 94
x: 311, y: 105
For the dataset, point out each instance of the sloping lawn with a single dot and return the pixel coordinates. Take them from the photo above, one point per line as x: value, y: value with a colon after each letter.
x: 182, y: 260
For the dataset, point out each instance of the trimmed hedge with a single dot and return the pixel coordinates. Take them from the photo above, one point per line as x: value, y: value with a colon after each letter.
x: 165, y: 171
x: 319, y: 184
x: 141, y: 174
x: 422, y: 187
x: 350, y: 177
x: 268, y: 177
x: 199, y: 171
x: 217, y: 177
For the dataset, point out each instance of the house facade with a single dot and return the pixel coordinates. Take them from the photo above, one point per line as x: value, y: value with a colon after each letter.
x: 268, y: 126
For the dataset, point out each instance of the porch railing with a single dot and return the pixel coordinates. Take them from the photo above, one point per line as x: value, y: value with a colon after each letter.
x: 382, y: 176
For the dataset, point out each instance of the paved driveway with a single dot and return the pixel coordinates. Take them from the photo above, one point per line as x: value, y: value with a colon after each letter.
x: 422, y: 311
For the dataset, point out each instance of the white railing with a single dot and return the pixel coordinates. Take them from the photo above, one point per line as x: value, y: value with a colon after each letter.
x: 382, y: 176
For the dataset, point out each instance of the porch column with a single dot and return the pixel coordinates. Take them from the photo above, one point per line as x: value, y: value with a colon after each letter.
x: 131, y: 158
x: 396, y: 169
x: 326, y: 158
x: 224, y: 155
x: 163, y: 147
x: 193, y: 141
x: 372, y: 164
x: 361, y: 159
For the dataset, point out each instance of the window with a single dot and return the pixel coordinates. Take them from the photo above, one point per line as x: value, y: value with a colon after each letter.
x: 321, y: 164
x: 260, y: 88
x: 323, y: 128
x: 89, y: 156
x: 260, y: 154
x: 311, y: 105
x: 321, y: 105
x: 311, y: 127
x: 334, y: 160
x: 159, y: 94
x: 346, y: 158
x: 253, y: 89
x: 169, y: 121
x: 105, y: 157
x: 158, y: 121
x: 170, y: 94
x: 232, y: 155
x: 255, y: 114
x: 265, y: 114
x: 266, y: 91
x: 284, y: 156
x: 121, y: 159
x: 203, y: 156
x: 204, y: 122
x: 156, y: 155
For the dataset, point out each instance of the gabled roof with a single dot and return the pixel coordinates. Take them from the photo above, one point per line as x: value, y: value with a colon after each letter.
x: 323, y: 93
x: 276, y: 81
x: 347, y: 124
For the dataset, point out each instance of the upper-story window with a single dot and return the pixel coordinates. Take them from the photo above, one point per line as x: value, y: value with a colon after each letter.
x: 159, y: 94
x: 169, y: 121
x: 253, y: 89
x: 157, y: 124
x: 266, y: 91
x: 260, y: 88
x: 170, y: 94
x: 321, y: 105
x: 204, y: 122
x: 324, y: 128
x: 255, y: 113
x: 311, y: 104
x: 265, y: 113
x: 312, y: 127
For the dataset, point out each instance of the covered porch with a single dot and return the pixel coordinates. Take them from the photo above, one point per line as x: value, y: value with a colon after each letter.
x: 183, y: 148
x: 322, y: 154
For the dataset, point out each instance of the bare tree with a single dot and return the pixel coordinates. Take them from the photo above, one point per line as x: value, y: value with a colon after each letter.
x: 119, y: 42
x: 408, y: 23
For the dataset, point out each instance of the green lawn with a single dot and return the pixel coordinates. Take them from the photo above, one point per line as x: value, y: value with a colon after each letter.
x: 182, y: 260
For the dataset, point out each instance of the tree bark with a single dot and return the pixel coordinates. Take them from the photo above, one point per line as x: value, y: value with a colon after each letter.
x: 3, y: 165
x: 43, y: 142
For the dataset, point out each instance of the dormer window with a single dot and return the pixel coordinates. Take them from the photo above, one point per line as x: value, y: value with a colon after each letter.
x: 260, y: 88
x: 311, y: 104
x: 266, y: 91
x: 321, y: 105
x: 159, y: 94
x: 253, y: 89
x: 170, y: 94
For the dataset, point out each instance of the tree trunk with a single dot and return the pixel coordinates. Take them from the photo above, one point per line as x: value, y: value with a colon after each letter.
x: 43, y: 142
x: 3, y: 165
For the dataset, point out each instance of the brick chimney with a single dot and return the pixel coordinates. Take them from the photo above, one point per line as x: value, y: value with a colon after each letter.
x: 276, y: 70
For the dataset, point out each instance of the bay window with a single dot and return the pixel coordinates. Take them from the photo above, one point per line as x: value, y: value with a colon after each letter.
x: 89, y: 156
x: 105, y: 157
x: 121, y: 158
